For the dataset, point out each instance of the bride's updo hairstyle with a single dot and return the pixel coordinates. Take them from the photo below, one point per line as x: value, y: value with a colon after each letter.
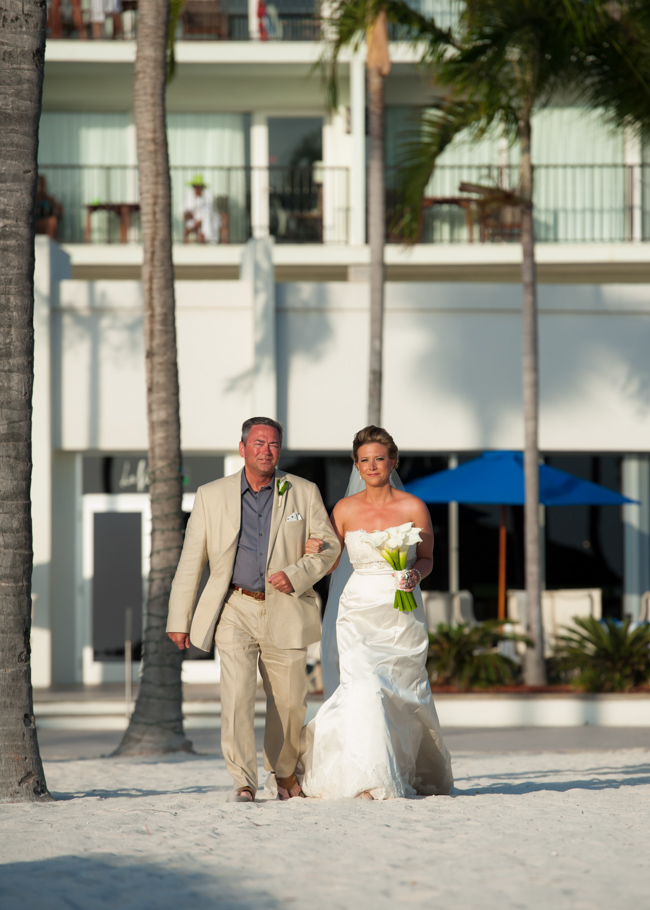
x: 375, y: 434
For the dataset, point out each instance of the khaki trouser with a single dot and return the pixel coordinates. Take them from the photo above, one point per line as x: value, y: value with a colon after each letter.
x: 243, y: 634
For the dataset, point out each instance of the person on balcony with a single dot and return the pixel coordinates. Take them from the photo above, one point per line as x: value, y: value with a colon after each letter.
x: 55, y: 23
x: 47, y: 210
x: 199, y: 215
x: 270, y: 24
x: 99, y: 10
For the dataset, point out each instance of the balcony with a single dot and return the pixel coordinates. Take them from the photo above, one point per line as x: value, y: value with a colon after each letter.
x: 211, y: 20
x: 311, y: 205
x: 598, y: 203
x: 303, y: 205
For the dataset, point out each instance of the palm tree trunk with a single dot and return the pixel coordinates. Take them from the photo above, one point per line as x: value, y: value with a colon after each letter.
x: 377, y: 233
x: 21, y: 58
x: 534, y: 667
x: 157, y: 723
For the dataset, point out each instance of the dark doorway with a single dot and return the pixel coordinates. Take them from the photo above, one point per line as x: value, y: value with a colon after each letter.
x: 117, y: 583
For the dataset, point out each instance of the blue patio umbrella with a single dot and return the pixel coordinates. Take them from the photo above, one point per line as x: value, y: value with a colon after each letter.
x: 498, y: 477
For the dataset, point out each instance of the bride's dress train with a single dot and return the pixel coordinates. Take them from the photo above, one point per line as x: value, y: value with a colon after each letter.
x: 379, y: 732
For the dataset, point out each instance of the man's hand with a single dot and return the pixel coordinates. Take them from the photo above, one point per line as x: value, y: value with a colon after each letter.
x: 180, y: 639
x: 281, y: 583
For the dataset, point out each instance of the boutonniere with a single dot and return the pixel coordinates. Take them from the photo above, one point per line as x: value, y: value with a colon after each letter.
x: 283, y: 486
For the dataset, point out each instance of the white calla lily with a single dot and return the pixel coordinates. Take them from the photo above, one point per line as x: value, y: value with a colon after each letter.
x: 412, y: 537
x: 375, y: 539
x: 393, y: 546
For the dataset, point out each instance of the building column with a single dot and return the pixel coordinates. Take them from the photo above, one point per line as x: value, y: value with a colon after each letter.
x: 358, y: 170
x: 253, y: 21
x: 259, y: 176
x: 636, y: 519
x: 257, y: 269
x: 51, y: 265
x: 452, y: 512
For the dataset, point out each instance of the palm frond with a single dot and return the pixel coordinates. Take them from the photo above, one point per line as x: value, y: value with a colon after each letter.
x: 175, y: 13
x: 435, y: 130
x: 346, y: 25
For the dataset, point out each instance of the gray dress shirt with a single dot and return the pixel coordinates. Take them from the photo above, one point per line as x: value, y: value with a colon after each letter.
x: 253, y: 545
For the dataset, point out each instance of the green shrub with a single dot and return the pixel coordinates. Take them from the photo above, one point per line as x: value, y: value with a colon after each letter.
x: 604, y: 656
x: 467, y: 658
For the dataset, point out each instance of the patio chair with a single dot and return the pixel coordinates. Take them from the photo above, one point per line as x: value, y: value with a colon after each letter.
x: 204, y: 19
x: 558, y: 609
x: 450, y: 609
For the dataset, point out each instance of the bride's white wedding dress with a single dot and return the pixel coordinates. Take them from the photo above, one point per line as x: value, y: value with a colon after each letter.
x: 379, y: 731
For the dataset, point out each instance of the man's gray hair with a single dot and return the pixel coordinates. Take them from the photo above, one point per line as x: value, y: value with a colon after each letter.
x: 248, y: 425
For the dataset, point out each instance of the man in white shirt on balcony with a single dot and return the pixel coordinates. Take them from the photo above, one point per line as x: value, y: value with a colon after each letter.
x: 199, y: 215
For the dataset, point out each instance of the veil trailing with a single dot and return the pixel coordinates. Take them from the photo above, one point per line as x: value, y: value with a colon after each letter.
x: 338, y: 580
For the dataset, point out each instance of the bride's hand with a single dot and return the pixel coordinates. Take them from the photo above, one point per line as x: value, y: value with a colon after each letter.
x: 313, y: 546
x: 407, y: 580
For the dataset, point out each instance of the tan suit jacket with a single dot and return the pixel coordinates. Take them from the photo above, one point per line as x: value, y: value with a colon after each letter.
x: 212, y: 535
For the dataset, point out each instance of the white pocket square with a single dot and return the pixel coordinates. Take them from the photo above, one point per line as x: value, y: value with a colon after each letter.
x: 295, y: 516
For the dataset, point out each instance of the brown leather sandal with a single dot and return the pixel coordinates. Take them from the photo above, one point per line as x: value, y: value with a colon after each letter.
x: 287, y: 783
x: 238, y: 795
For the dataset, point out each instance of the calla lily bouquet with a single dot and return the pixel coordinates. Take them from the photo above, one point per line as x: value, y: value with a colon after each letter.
x: 393, y: 546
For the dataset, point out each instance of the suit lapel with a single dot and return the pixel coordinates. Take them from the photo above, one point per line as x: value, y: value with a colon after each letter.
x: 233, y: 499
x: 279, y: 508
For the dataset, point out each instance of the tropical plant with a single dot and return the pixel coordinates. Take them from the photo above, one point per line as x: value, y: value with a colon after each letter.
x: 157, y: 722
x: 468, y: 657
x: 504, y: 60
x: 22, y: 30
x: 604, y: 656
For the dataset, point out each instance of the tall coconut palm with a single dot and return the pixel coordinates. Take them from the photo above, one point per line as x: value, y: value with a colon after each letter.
x: 505, y: 60
x: 349, y: 21
x: 157, y: 722
x: 22, y: 52
x: 378, y: 67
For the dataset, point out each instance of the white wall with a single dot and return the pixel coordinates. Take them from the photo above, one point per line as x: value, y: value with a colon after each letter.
x: 452, y: 365
x: 102, y: 375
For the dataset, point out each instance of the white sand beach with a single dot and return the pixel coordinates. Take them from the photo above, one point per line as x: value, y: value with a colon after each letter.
x: 521, y: 830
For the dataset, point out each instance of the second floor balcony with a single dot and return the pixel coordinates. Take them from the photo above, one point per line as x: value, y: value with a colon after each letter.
x: 212, y: 20
x: 312, y: 205
x: 216, y: 20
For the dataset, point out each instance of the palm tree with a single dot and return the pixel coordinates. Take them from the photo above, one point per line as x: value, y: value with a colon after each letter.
x: 23, y: 52
x: 378, y: 67
x: 157, y: 722
x: 349, y: 22
x: 504, y: 60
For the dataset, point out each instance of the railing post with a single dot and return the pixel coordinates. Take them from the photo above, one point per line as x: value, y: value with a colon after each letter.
x: 633, y: 186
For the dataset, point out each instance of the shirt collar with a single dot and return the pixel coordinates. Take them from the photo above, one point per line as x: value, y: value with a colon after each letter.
x: 246, y: 486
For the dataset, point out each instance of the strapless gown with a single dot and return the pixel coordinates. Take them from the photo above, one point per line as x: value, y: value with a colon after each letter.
x: 379, y: 731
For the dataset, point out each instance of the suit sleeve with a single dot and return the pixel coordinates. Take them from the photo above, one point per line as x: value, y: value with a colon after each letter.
x: 186, y: 581
x: 309, y: 569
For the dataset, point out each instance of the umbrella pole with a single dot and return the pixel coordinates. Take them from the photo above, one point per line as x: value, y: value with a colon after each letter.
x: 502, y: 566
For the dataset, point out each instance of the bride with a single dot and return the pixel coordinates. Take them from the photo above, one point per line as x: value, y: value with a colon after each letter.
x: 378, y: 735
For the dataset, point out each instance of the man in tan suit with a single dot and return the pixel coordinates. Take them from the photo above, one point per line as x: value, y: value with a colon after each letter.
x: 252, y: 528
